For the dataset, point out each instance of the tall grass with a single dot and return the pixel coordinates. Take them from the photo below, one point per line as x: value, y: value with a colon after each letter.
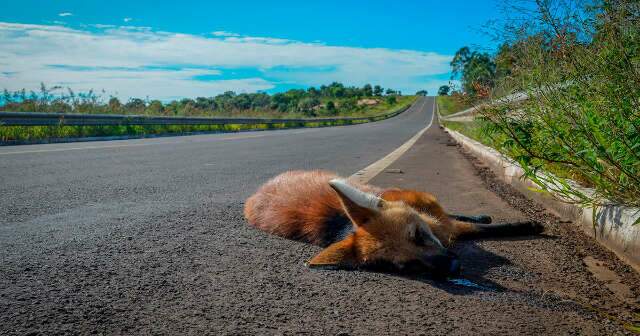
x: 454, y: 103
x: 586, y: 120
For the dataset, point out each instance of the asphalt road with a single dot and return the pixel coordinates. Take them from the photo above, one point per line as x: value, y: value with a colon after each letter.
x: 147, y: 237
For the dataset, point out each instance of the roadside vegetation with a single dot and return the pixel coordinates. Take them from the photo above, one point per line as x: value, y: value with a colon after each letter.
x: 10, y: 134
x: 454, y: 103
x: 326, y: 101
x: 334, y: 100
x: 581, y: 63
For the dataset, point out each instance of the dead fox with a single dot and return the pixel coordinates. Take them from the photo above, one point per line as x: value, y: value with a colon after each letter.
x: 365, y: 226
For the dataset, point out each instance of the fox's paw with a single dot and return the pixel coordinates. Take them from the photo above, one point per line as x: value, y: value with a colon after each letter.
x: 484, y: 219
x: 531, y: 227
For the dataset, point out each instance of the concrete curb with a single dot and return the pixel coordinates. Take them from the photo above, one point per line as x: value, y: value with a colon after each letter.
x: 614, y: 224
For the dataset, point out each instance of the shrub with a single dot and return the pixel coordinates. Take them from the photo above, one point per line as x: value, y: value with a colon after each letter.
x: 391, y: 100
x: 584, y: 122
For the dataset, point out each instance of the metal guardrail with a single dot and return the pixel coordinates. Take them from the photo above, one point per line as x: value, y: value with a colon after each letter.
x: 71, y: 119
x: 512, y: 98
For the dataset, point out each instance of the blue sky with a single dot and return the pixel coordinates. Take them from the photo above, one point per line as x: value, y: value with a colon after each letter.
x: 169, y: 50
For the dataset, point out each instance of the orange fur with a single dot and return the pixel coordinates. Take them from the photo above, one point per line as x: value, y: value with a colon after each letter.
x: 296, y: 205
x: 427, y: 203
x: 302, y: 205
x: 400, y: 226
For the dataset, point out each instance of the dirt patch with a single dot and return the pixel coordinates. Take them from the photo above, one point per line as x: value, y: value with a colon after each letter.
x: 368, y: 102
x: 611, y: 279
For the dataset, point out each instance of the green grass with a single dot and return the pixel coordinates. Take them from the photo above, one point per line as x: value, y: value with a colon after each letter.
x: 476, y: 130
x: 451, y: 104
x: 34, y: 133
x: 366, y: 111
x: 383, y: 106
x: 473, y: 130
x: 10, y: 134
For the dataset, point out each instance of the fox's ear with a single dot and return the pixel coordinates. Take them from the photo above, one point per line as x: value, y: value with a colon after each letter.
x: 359, y: 205
x: 337, y: 255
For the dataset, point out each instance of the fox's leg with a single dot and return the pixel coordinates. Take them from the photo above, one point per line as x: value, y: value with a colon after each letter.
x: 421, y: 201
x: 480, y: 219
x: 425, y: 202
x: 455, y: 226
x: 466, y: 230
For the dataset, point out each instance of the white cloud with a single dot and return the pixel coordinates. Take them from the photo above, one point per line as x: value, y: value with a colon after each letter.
x: 127, y: 19
x: 140, y: 62
x: 65, y: 14
x: 222, y: 33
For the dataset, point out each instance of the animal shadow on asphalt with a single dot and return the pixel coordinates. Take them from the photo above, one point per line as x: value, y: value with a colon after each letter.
x: 476, y: 263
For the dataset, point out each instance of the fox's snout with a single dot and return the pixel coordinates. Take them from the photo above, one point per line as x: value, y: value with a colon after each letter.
x: 439, y: 265
x: 445, y: 264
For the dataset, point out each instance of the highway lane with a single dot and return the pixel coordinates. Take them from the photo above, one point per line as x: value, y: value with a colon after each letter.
x: 81, y: 223
x: 147, y: 237
x: 56, y: 178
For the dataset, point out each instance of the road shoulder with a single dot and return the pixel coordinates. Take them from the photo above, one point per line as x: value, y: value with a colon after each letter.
x: 532, y: 274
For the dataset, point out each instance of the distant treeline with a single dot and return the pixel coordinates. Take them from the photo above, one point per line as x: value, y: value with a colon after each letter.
x: 327, y: 100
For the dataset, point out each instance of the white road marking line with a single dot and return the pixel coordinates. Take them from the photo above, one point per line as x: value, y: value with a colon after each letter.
x: 122, y: 145
x: 78, y: 148
x: 366, y: 174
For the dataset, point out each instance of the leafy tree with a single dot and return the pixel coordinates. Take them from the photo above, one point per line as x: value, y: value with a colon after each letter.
x: 205, y: 103
x: 6, y: 97
x: 312, y: 91
x: 422, y: 93
x: 460, y: 59
x: 172, y: 108
x: 260, y: 100
x: 378, y: 90
x: 444, y: 90
x: 331, y: 106
x: 505, y: 61
x: 280, y: 102
x: 477, y: 71
x: 336, y: 90
x: 114, y: 105
x: 307, y: 105
x: 391, y: 100
x: 155, y: 108
x: 241, y: 102
x: 135, y: 105
x: 349, y: 104
x: 367, y: 90
x: 188, y: 109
